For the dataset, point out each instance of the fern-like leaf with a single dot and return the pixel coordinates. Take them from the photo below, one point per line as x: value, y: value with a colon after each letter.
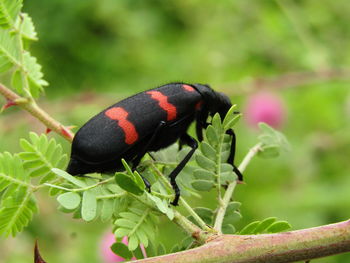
x: 9, y: 54
x: 41, y: 155
x: 139, y: 224
x: 16, y: 212
x: 27, y: 28
x: 9, y: 10
x: 35, y: 76
x: 12, y: 174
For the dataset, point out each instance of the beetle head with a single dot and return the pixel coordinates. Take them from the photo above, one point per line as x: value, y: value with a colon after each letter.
x: 214, y: 101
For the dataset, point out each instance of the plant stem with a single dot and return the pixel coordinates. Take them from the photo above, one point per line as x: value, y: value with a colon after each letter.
x: 190, y: 228
x: 185, y: 205
x: 291, y: 246
x: 231, y: 187
x: 30, y: 106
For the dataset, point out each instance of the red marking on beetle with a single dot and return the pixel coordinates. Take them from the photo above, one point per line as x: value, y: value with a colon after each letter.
x: 198, y: 105
x: 119, y: 114
x: 188, y: 88
x: 164, y: 104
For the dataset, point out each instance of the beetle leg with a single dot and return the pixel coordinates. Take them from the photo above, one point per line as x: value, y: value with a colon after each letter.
x: 186, y: 139
x: 201, y: 123
x: 144, y: 150
x: 231, y: 157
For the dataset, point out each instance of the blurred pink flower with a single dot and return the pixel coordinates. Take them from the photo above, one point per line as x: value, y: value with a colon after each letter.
x: 265, y: 107
x: 107, y: 254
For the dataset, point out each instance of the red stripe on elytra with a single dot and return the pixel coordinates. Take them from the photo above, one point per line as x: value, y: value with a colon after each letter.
x: 187, y: 88
x: 119, y: 114
x: 164, y: 104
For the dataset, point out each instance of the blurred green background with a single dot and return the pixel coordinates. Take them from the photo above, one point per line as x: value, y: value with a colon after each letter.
x: 97, y: 52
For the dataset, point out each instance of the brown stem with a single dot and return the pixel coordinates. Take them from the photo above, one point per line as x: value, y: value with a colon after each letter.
x: 30, y: 106
x: 291, y: 246
x: 288, y: 80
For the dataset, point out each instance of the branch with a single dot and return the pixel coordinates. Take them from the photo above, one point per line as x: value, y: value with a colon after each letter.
x: 270, y: 248
x: 231, y: 187
x: 30, y: 106
x: 287, y: 80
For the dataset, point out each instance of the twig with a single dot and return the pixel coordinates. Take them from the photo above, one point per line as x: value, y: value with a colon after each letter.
x: 231, y: 187
x: 287, y: 80
x: 30, y: 106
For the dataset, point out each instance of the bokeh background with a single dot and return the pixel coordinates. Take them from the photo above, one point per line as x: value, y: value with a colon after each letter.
x: 286, y: 62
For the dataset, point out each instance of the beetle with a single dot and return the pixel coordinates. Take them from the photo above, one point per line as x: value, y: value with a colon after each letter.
x: 148, y: 121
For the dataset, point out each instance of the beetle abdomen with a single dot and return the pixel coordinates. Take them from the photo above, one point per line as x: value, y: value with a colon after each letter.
x: 120, y: 130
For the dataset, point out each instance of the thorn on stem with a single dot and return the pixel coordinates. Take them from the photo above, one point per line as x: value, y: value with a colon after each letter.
x: 37, y: 256
x: 48, y: 130
x: 8, y: 104
x: 66, y: 131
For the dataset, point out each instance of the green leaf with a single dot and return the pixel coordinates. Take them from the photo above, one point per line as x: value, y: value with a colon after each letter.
x: 69, y: 200
x: 69, y: 177
x: 206, y: 214
x: 232, y: 217
x: 139, y: 181
x: 204, y: 174
x: 9, y: 54
x: 273, y: 142
x: 208, y: 151
x: 270, y: 151
x: 9, y: 10
x: 16, y: 81
x: 216, y: 122
x: 27, y: 28
x: 142, y: 237
x: 278, y: 227
x: 233, y: 206
x: 162, y: 205
x: 264, y: 224
x: 202, y: 185
x: 205, y: 163
x: 127, y: 183
x: 250, y: 228
x: 127, y: 168
x: 121, y: 232
x: 138, y: 223
x: 228, y: 229
x: 107, y: 209
x: 212, y: 136
x: 41, y: 156
x: 35, y: 76
x: 89, y: 205
x: 121, y: 250
x: 227, y: 177
x: 229, y: 116
x: 232, y: 122
x: 12, y: 173
x: 16, y: 212
x: 133, y: 242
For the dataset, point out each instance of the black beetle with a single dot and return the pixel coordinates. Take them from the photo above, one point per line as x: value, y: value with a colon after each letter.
x: 148, y: 121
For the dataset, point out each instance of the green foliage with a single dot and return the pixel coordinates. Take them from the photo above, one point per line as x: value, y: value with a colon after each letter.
x: 17, y: 186
x: 273, y: 142
x: 139, y: 223
x: 122, y: 250
x: 17, y: 202
x: 213, y: 154
x: 16, y: 29
x: 9, y: 10
x: 40, y: 155
x: 268, y: 225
